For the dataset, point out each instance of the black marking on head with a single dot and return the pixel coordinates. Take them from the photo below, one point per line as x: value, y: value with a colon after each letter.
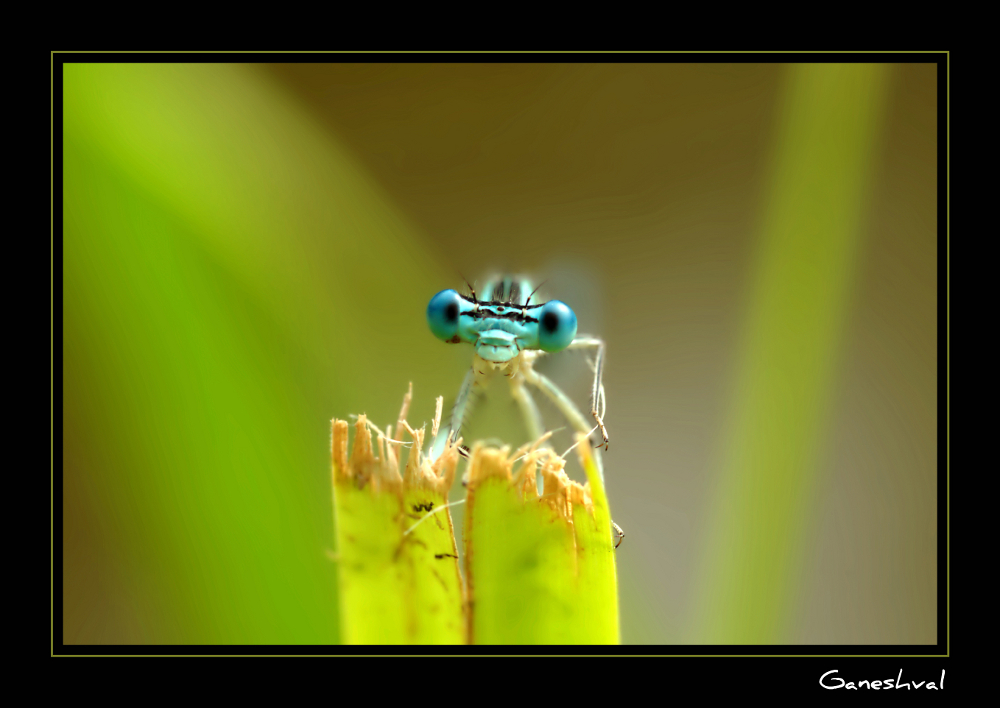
x: 550, y: 321
x: 439, y: 556
x: 513, y: 315
x: 451, y: 311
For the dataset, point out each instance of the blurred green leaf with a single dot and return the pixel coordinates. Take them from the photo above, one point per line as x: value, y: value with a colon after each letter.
x: 804, y: 266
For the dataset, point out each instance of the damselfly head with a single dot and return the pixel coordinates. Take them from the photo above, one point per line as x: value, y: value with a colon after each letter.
x: 503, y: 321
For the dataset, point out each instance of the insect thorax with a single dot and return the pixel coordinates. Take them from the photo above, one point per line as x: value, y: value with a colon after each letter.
x: 486, y: 368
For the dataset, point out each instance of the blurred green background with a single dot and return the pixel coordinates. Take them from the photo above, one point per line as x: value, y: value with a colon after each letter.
x: 249, y: 251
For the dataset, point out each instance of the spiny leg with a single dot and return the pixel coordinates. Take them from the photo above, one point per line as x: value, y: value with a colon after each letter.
x: 598, y: 406
x: 564, y: 404
x: 463, y: 404
x: 597, y: 402
x: 620, y: 534
x: 576, y: 419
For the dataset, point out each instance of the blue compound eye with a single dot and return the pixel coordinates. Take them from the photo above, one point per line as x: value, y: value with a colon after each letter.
x: 556, y: 326
x: 442, y: 315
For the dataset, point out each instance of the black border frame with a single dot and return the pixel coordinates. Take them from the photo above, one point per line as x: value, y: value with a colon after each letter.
x: 921, y: 661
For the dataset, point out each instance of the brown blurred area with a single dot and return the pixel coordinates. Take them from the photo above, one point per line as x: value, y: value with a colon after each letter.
x: 636, y: 189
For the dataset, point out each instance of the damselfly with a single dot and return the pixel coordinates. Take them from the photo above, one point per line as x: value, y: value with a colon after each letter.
x: 509, y: 334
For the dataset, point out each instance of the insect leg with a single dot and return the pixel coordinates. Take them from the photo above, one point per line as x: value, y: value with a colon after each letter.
x: 532, y: 416
x: 572, y: 413
x: 463, y: 404
x: 529, y: 409
x: 597, y: 402
x: 565, y: 406
x: 620, y: 534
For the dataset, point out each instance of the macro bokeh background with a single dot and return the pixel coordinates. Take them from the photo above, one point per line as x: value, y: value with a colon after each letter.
x: 249, y: 250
